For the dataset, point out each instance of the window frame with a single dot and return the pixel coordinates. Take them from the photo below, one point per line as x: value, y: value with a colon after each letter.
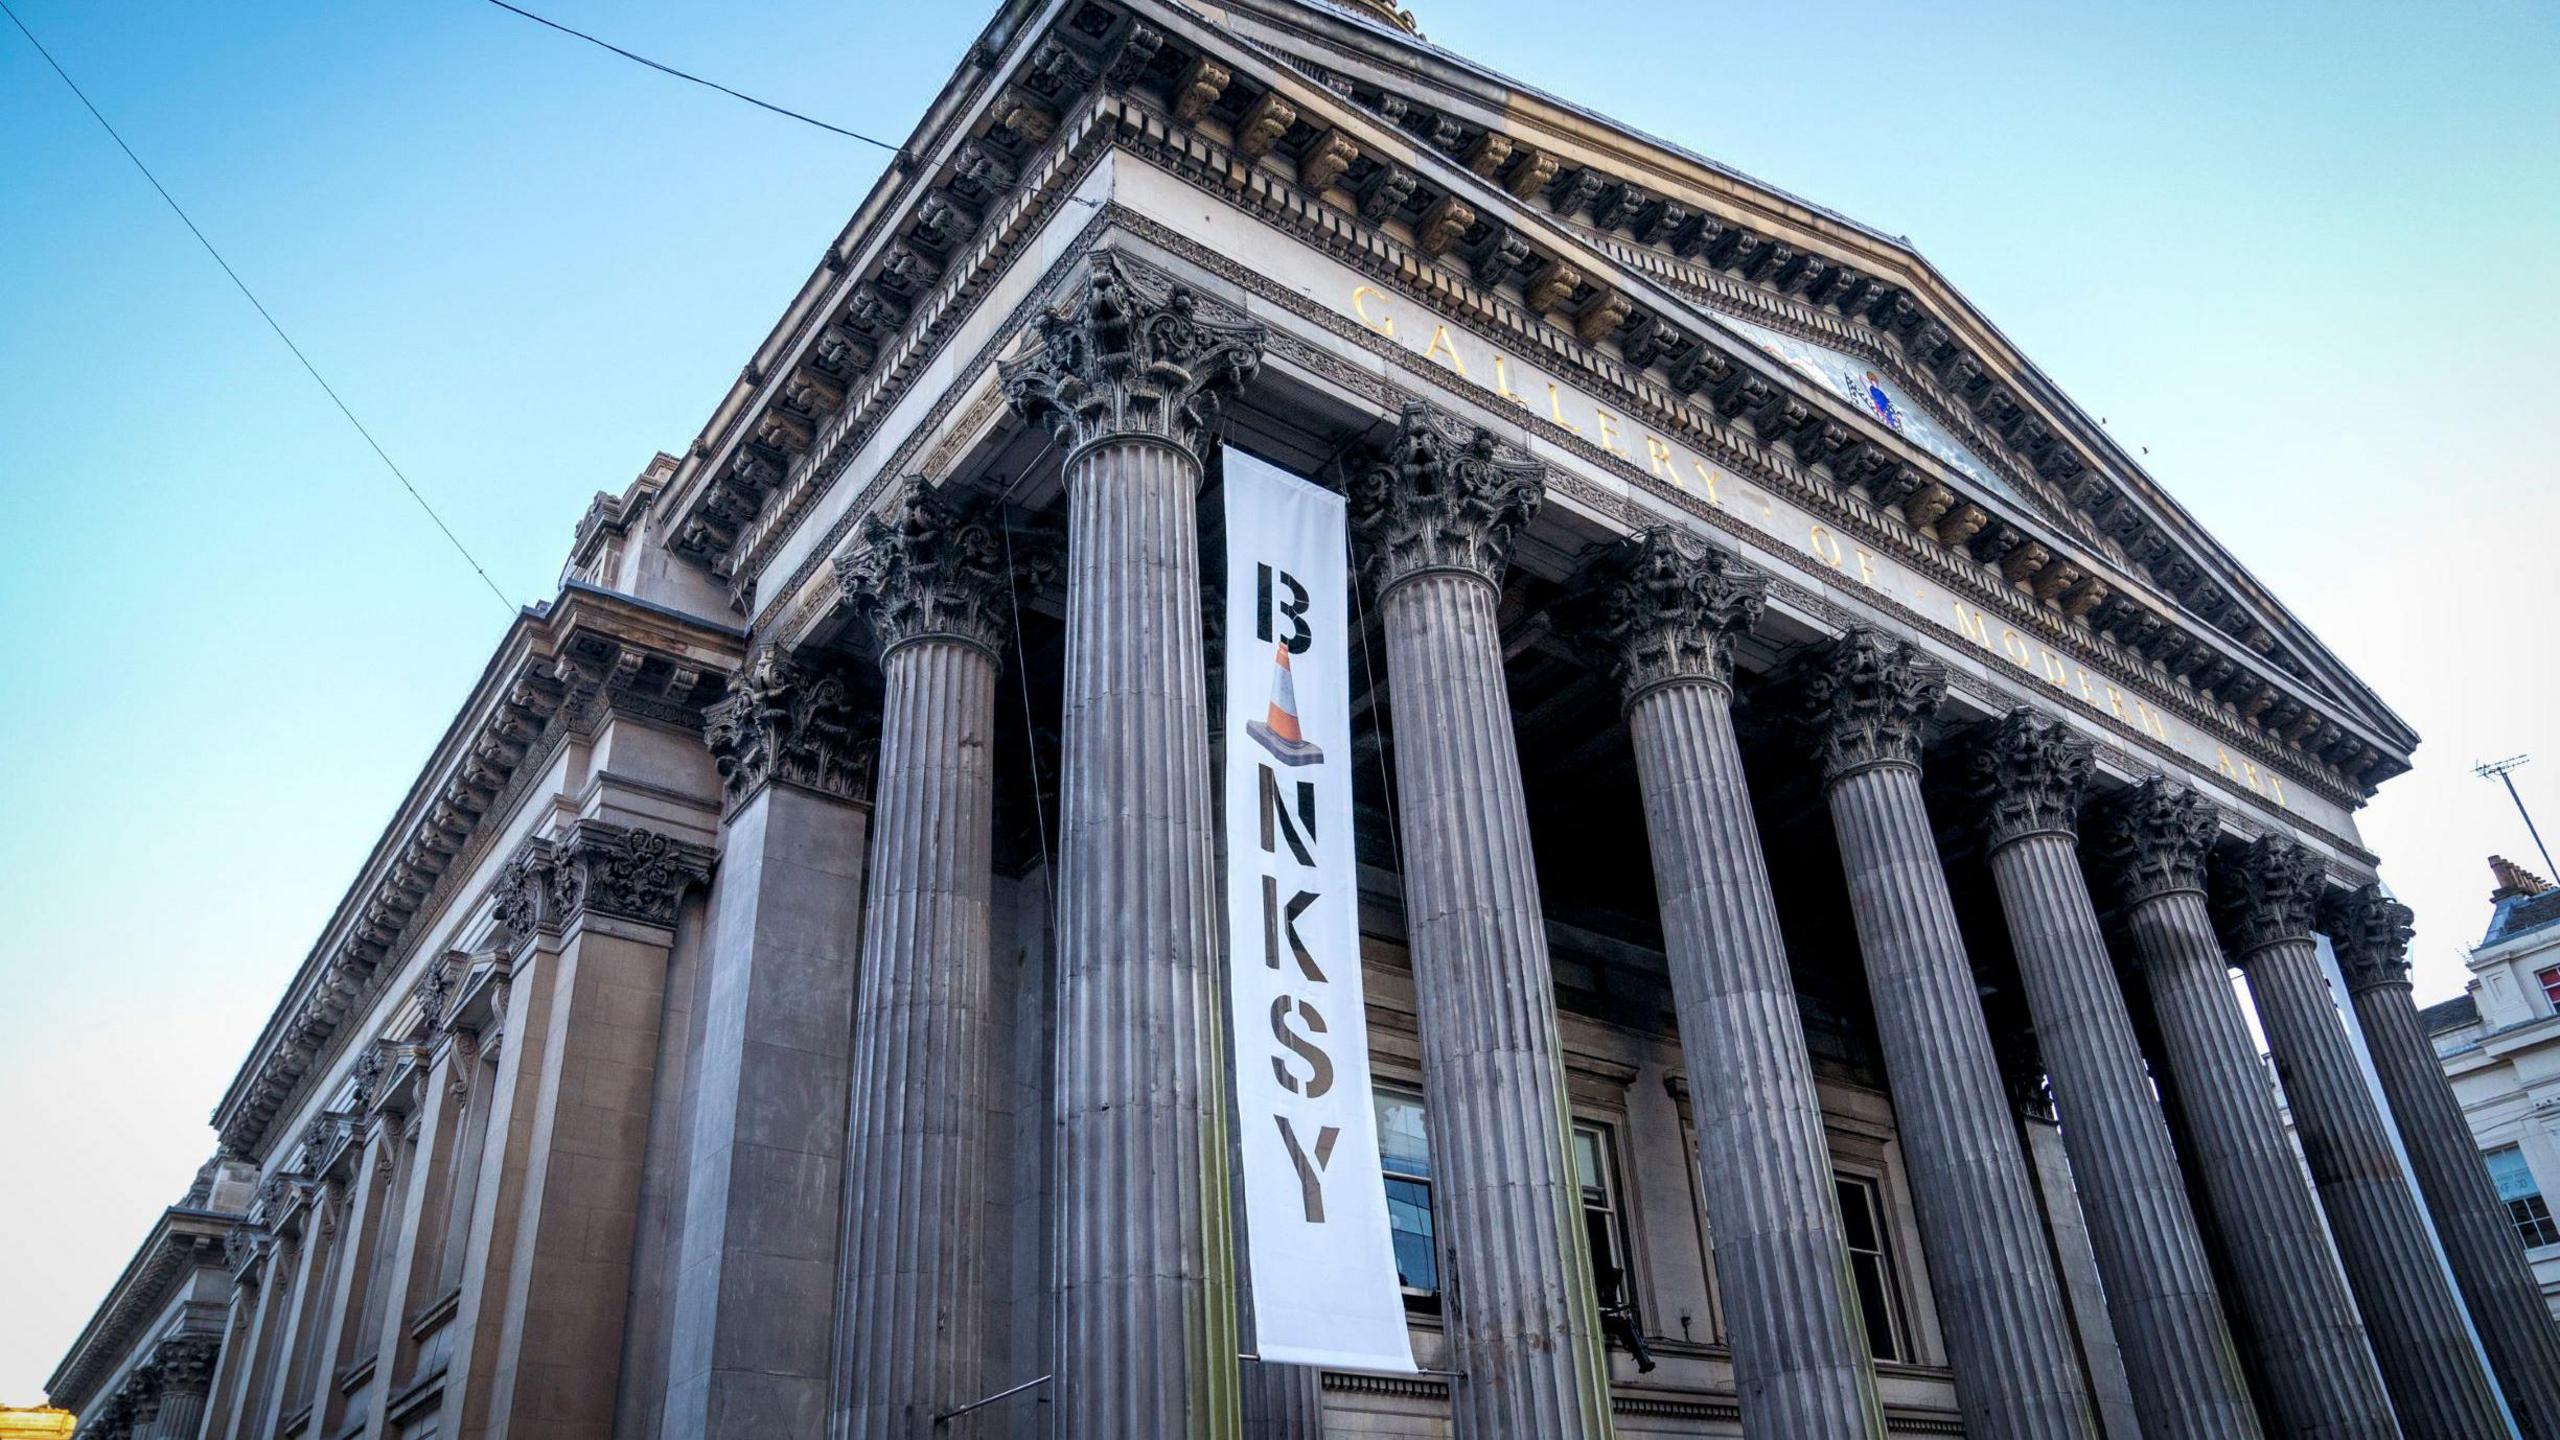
x: 2548, y: 978
x: 1619, y: 1228
x: 2536, y: 1228
x: 1870, y: 1189
x: 1416, y: 1299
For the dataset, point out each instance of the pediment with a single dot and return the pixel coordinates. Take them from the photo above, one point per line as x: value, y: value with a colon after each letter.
x: 1824, y: 341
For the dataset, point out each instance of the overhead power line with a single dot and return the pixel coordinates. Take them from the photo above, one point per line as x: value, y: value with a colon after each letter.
x: 263, y: 313
x: 900, y: 151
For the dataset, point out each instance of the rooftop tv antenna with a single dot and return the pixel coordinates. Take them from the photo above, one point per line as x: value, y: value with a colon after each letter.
x: 2503, y: 771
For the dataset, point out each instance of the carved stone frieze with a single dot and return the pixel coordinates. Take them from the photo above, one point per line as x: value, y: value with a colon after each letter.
x: 2029, y: 771
x: 1444, y: 496
x: 2265, y: 892
x: 932, y: 565
x: 792, y: 720
x: 2370, y: 931
x: 1866, y: 697
x: 1666, y: 608
x: 1133, y: 355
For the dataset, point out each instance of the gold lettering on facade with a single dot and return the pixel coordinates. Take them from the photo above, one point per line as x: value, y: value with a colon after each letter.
x: 2055, y: 670
x: 1660, y: 456
x: 1609, y: 433
x: 2015, y: 647
x: 1866, y: 568
x: 1441, y: 345
x: 1502, y: 381
x: 1969, y: 622
x: 1825, y: 548
x: 1708, y: 478
x: 1555, y: 407
x: 1383, y: 323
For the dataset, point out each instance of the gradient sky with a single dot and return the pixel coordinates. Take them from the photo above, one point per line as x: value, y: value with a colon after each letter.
x: 2300, y: 253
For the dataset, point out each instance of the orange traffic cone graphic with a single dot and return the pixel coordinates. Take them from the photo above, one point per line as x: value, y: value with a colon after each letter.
x: 1280, y: 734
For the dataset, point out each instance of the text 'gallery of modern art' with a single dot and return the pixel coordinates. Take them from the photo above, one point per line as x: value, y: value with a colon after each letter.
x: 1809, y: 790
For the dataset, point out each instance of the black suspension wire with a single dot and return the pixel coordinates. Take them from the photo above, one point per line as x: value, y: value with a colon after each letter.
x: 263, y: 313
x: 901, y: 152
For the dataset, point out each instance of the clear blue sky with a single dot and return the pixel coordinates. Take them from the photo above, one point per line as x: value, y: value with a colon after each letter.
x: 2301, y: 253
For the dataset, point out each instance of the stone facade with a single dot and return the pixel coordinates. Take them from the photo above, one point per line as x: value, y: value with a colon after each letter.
x: 1812, y: 795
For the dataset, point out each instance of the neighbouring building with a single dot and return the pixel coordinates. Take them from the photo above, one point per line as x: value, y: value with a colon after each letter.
x: 2500, y: 1040
x: 1814, y: 787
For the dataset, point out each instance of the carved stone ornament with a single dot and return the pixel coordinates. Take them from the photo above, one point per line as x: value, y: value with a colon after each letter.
x: 241, y: 1250
x: 1666, y: 607
x: 143, y: 1388
x: 1866, y: 696
x: 2266, y: 892
x: 523, y: 890
x: 2030, y: 772
x: 2370, y: 932
x: 368, y: 1077
x: 186, y: 1364
x: 2156, y: 838
x: 793, y: 720
x: 435, y: 989
x: 1445, y: 496
x: 625, y: 872
x: 1133, y: 355
x: 931, y: 566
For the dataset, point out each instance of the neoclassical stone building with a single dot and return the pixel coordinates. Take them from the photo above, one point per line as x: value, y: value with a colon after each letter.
x: 1813, y: 791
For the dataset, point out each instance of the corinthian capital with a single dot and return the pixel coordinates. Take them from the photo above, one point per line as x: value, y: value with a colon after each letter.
x: 186, y: 1364
x: 1445, y: 496
x: 793, y: 721
x: 2030, y: 771
x: 2370, y: 932
x: 1866, y: 697
x: 624, y: 871
x: 1667, y: 608
x: 2156, y: 838
x: 1132, y: 355
x: 2265, y: 893
x: 932, y: 567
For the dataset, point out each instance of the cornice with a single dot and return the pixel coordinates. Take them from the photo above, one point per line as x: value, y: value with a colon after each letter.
x: 560, y: 672
x: 180, y: 1240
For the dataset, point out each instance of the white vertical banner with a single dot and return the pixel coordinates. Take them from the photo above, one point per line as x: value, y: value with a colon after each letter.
x: 1322, y: 1258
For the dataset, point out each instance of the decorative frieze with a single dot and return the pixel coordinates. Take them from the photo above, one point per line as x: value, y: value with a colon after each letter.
x: 1668, y: 608
x: 791, y: 720
x: 1866, y: 697
x: 2370, y: 933
x: 1133, y: 354
x: 2030, y: 771
x: 1444, y: 496
x: 2266, y: 892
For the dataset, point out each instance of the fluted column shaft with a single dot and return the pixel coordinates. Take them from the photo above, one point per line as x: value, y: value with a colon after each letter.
x: 2185, y: 1371
x: 1283, y: 1402
x: 181, y: 1416
x: 2307, y: 1337
x: 1146, y: 1328
x: 2427, y: 1360
x: 2479, y: 1239
x: 1988, y: 1264
x: 1799, y: 1348
x: 1523, y: 1328
x: 916, y: 1313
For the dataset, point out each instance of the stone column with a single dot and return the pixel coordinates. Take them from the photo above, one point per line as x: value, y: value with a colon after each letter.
x: 1129, y: 377
x: 2370, y: 932
x: 186, y: 1375
x: 1989, y: 1263
x: 756, y: 1269
x: 1437, y: 515
x: 2265, y: 897
x: 1665, y: 611
x: 2310, y: 1346
x: 932, y: 586
x: 2179, y: 1357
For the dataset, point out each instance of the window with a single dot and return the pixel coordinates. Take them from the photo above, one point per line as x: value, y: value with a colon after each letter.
x: 1870, y: 1264
x: 1604, y: 1226
x: 1404, y: 1148
x: 2550, y: 982
x: 2525, y: 1205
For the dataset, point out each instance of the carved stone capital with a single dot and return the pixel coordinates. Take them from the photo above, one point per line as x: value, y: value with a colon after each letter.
x: 629, y: 873
x: 2265, y: 893
x: 932, y: 567
x: 143, y: 1388
x: 1866, y: 695
x: 2156, y: 837
x: 1132, y: 355
x: 788, y: 720
x: 2030, y: 770
x: 2370, y: 932
x: 186, y: 1363
x: 1666, y: 608
x: 1445, y: 496
x: 522, y: 900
